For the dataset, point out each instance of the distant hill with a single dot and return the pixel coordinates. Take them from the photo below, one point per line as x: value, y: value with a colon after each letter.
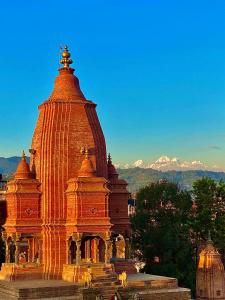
x: 139, y: 177
x: 136, y: 177
x: 8, y: 165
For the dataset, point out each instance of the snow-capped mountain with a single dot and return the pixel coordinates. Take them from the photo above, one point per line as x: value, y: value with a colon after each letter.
x: 166, y: 163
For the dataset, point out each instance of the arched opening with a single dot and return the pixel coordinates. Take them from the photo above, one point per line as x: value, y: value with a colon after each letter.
x: 72, y: 251
x: 93, y: 249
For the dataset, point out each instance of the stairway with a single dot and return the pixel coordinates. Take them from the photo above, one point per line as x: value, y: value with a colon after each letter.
x: 105, y: 279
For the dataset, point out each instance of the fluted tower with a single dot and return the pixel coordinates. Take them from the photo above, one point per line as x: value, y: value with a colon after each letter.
x: 210, y: 278
x: 66, y: 126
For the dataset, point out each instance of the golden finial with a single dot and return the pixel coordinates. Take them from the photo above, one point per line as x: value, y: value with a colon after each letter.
x: 66, y: 61
x: 87, y: 153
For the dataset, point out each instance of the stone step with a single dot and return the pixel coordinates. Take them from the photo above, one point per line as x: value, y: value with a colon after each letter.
x: 162, y: 294
x: 107, y: 293
x: 38, y: 289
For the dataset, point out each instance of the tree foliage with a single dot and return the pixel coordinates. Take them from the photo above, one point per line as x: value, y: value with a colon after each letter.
x: 209, y: 214
x: 171, y: 226
x: 161, y: 231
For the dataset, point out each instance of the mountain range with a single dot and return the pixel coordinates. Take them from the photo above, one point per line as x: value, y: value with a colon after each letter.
x: 139, y: 177
x: 166, y: 163
x: 8, y: 165
x: 140, y: 173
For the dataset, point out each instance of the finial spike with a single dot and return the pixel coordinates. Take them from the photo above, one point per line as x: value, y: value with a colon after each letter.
x: 23, y: 154
x: 66, y: 61
x: 86, y: 153
x: 109, y: 158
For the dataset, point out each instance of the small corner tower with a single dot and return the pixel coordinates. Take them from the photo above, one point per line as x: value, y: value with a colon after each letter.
x: 22, y: 233
x: 23, y: 201
x: 118, y: 201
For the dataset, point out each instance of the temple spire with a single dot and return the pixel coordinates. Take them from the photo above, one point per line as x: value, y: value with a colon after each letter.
x: 23, y: 169
x: 87, y: 169
x: 112, y: 173
x: 66, y: 87
x: 66, y: 61
x: 23, y: 155
x: 109, y: 159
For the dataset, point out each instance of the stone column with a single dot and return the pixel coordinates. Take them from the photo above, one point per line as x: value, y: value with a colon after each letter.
x: 68, y: 250
x: 97, y: 250
x: 4, y: 237
x: 78, y: 254
x: 35, y: 253
x: 17, y: 251
x: 88, y: 248
x: 40, y: 252
x: 6, y: 252
x: 108, y: 251
x: 30, y: 257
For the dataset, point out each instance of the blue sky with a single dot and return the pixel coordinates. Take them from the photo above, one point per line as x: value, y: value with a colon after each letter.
x: 155, y: 68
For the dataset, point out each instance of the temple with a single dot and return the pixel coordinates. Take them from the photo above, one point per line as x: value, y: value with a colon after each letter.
x: 67, y: 210
x: 69, y: 206
x: 210, y: 277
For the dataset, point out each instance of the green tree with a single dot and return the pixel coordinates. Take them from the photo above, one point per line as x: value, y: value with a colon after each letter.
x: 209, y: 214
x: 161, y: 232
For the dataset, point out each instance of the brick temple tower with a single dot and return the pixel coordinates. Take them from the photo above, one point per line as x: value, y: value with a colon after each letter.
x: 210, y: 278
x: 71, y: 193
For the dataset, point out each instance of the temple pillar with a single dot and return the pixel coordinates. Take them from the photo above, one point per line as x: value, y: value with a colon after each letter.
x: 6, y: 252
x: 36, y: 249
x: 68, y: 251
x: 96, y: 250
x: 30, y: 256
x: 40, y: 252
x: 17, y: 251
x: 78, y: 254
x: 108, y: 251
x: 4, y: 237
x: 88, y: 247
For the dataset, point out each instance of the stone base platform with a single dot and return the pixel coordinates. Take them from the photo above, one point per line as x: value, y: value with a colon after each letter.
x: 74, y: 273
x: 139, y: 286
x: 39, y: 289
x: 13, y: 271
x: 145, y: 286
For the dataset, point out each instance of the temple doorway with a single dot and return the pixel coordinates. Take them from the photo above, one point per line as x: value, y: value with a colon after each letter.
x: 72, y: 252
x: 93, y: 249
